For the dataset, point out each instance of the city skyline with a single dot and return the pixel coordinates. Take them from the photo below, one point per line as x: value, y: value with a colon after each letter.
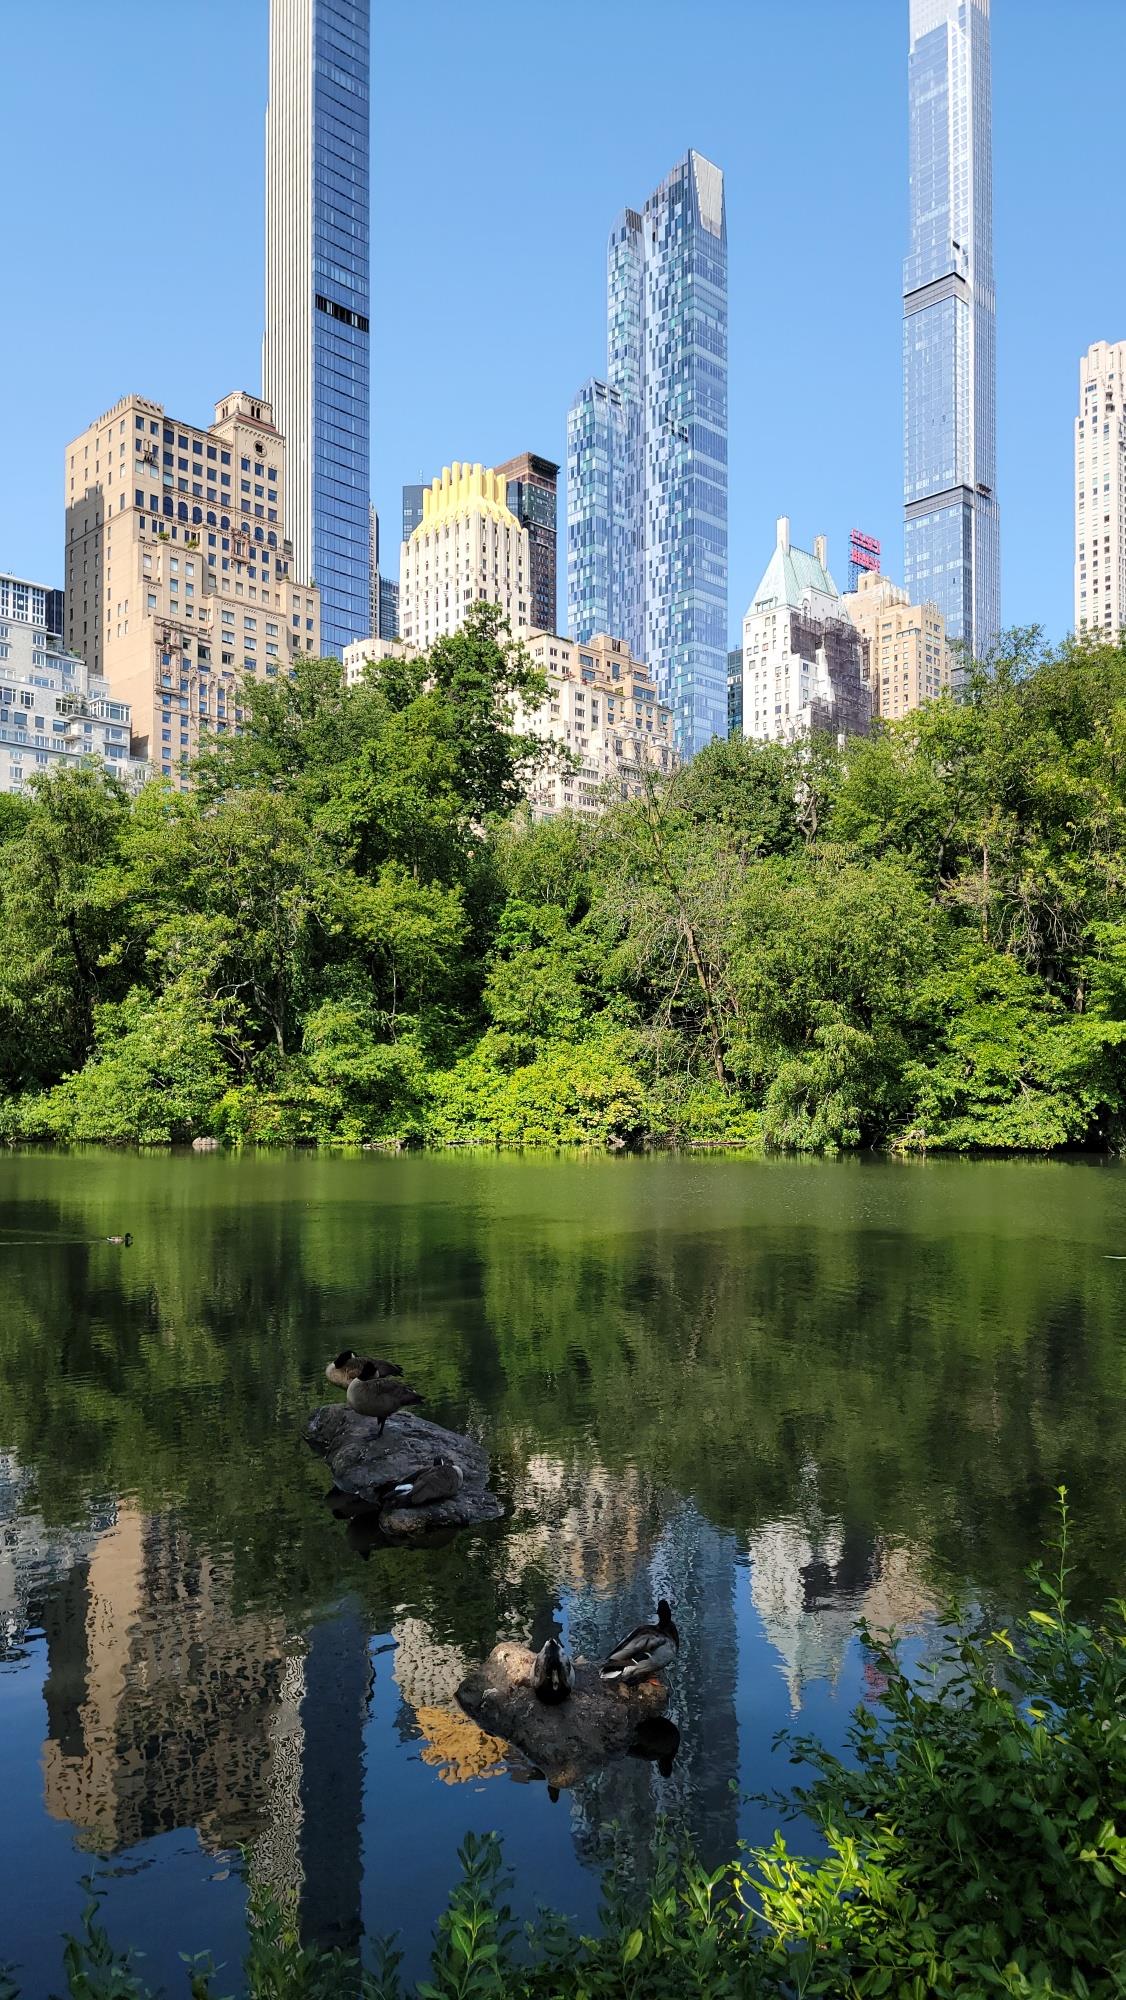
x: 859, y: 219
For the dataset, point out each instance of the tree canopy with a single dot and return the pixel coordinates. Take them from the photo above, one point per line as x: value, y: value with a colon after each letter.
x: 351, y: 930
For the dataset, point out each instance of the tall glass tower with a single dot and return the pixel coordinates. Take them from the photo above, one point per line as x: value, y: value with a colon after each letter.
x: 647, y: 452
x: 315, y: 365
x: 952, y: 526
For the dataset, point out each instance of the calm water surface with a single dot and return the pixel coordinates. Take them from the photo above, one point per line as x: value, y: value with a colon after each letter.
x: 784, y: 1395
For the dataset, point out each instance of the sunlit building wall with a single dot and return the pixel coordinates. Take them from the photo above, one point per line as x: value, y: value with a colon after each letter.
x: 1100, y: 491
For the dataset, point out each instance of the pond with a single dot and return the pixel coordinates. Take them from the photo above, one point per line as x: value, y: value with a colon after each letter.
x: 785, y: 1395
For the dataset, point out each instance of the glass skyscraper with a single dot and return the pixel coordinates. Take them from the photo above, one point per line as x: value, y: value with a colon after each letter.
x: 647, y: 453
x: 315, y: 362
x: 952, y: 527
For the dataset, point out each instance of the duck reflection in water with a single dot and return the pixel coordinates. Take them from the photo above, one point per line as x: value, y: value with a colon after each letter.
x: 657, y: 1740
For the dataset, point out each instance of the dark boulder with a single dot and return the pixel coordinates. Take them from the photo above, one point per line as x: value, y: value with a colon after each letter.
x: 365, y: 1467
x: 601, y: 1719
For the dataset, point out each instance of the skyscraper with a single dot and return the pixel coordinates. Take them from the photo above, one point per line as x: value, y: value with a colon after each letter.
x: 952, y: 529
x: 647, y: 452
x: 531, y: 494
x: 315, y: 364
x: 1100, y: 491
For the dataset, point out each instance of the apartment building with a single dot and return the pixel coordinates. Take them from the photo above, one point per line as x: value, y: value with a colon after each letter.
x: 906, y: 661
x: 53, y: 713
x: 602, y: 705
x: 468, y: 549
x: 179, y: 570
x: 802, y: 655
x: 1100, y: 492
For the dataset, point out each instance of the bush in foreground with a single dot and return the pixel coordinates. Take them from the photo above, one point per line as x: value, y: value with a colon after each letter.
x: 975, y: 1844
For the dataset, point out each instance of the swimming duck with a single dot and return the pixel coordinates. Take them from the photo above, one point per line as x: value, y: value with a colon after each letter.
x: 441, y: 1481
x: 375, y: 1395
x: 126, y: 1239
x: 645, y: 1651
x: 347, y: 1366
x: 553, y: 1672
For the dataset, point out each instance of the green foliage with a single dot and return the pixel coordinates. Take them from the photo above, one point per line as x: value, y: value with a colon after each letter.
x: 975, y: 1843
x: 351, y: 931
x: 154, y: 1074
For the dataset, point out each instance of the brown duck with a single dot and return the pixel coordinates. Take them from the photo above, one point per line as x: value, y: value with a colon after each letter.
x: 441, y: 1481
x: 375, y: 1395
x: 347, y: 1366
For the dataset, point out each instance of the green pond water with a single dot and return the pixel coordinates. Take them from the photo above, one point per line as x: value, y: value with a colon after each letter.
x: 784, y: 1395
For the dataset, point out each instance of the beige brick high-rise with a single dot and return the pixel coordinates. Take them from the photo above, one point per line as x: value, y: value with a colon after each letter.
x: 906, y: 660
x: 1100, y: 491
x: 178, y: 568
x: 467, y: 549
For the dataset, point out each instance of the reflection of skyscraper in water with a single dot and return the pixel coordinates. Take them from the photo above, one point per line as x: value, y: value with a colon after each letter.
x: 692, y: 1563
x: 168, y: 1707
x: 812, y: 1577
x: 33, y: 1557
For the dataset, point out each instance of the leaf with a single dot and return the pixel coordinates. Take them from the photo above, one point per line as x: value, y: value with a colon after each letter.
x: 631, y: 1947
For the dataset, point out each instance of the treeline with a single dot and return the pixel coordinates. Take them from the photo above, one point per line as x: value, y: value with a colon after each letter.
x: 350, y: 932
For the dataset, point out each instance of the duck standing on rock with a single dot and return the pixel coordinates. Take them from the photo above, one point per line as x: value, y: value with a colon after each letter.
x: 347, y: 1366
x: 553, y: 1672
x: 375, y: 1395
x: 441, y: 1481
x: 645, y: 1651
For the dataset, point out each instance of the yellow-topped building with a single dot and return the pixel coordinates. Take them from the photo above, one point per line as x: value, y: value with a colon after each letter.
x: 467, y: 549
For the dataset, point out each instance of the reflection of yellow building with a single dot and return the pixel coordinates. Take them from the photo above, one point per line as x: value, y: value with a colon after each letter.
x: 429, y: 1672
x: 160, y: 1697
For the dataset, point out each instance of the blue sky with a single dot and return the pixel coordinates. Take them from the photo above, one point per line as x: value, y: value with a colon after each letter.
x: 505, y: 138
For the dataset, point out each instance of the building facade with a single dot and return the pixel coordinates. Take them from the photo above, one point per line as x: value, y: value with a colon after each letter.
x: 180, y: 578
x: 906, y: 661
x: 412, y: 509
x: 735, y: 691
x: 1100, y: 492
x: 53, y: 714
x: 530, y: 490
x: 467, y: 549
x: 952, y: 526
x: 315, y: 354
x: 603, y: 561
x: 803, y: 662
x: 604, y: 707
x: 647, y: 451
x: 383, y: 610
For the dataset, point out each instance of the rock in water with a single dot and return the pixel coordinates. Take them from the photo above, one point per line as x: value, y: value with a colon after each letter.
x: 367, y: 1466
x: 567, y: 1739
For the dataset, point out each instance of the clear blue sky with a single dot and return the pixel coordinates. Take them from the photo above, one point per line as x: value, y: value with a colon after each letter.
x: 505, y: 138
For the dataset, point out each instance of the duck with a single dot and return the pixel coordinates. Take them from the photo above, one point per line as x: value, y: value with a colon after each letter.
x: 553, y: 1672
x: 645, y: 1651
x: 126, y: 1239
x: 441, y: 1481
x: 347, y: 1366
x: 375, y: 1395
